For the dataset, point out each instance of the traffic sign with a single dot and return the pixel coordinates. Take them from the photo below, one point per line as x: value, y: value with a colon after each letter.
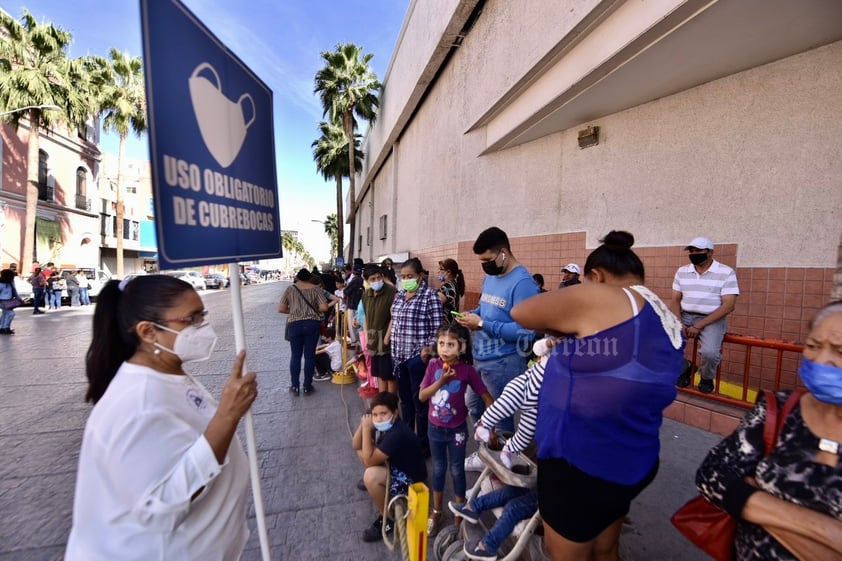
x: 211, y: 144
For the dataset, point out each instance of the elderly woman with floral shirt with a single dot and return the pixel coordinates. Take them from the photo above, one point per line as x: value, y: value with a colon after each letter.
x: 789, y: 503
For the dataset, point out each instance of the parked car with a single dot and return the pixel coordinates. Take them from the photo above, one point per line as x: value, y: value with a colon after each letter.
x: 24, y: 289
x: 216, y: 280
x: 96, y: 280
x: 194, y: 278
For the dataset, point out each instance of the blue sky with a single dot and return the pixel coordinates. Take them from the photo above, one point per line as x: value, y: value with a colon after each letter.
x: 280, y: 40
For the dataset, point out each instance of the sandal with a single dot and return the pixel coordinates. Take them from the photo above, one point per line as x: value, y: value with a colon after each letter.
x: 433, y: 522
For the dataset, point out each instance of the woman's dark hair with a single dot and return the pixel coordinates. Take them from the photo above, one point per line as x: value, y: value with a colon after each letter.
x: 414, y: 264
x: 452, y: 267
x: 462, y: 334
x: 615, y: 256
x: 539, y: 279
x: 387, y: 399
x: 7, y: 275
x: 492, y: 238
x: 372, y: 269
x: 303, y: 275
x: 144, y: 298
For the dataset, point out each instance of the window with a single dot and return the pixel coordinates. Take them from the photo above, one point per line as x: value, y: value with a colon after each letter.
x: 126, y: 228
x: 131, y: 189
x: 45, y: 189
x: 82, y: 189
x: 368, y: 235
x: 383, y: 226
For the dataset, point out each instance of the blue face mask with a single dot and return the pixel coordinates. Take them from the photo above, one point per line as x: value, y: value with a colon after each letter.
x: 385, y: 425
x: 376, y: 286
x: 823, y: 380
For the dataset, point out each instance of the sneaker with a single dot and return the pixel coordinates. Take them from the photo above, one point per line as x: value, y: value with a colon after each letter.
x: 474, y: 463
x: 480, y: 554
x: 321, y: 377
x: 706, y: 386
x: 462, y: 510
x: 374, y: 532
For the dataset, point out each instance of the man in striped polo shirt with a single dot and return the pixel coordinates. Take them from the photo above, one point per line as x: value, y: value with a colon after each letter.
x: 703, y: 293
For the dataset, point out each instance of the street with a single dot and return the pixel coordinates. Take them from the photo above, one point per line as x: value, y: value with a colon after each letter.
x: 308, y: 468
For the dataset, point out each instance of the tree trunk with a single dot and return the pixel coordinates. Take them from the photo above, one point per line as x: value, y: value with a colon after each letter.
x: 348, y: 121
x: 340, y: 223
x: 28, y: 252
x: 836, y: 291
x: 120, y: 209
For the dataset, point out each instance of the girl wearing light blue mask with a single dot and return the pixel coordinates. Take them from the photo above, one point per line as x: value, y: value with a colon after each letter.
x: 788, y: 502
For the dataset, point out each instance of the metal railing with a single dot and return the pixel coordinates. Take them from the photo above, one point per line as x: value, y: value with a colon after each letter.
x: 46, y: 192
x: 746, y: 395
x: 83, y: 202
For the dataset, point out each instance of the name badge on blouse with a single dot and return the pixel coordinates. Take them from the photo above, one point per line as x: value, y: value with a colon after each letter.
x: 196, y: 398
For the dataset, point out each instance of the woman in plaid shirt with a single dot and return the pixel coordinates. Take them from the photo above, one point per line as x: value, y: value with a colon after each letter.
x: 416, y: 316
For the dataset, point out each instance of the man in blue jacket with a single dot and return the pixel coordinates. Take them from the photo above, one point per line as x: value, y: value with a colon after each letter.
x: 500, y: 345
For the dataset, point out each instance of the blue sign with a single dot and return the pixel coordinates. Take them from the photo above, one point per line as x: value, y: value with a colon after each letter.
x: 211, y: 144
x: 340, y: 261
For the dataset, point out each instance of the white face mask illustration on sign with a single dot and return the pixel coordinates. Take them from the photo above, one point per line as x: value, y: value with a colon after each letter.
x: 221, y: 120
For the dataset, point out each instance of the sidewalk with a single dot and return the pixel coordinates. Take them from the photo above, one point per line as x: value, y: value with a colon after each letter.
x: 309, y: 471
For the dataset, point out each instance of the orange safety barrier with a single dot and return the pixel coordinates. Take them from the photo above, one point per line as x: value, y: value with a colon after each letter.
x: 742, y: 389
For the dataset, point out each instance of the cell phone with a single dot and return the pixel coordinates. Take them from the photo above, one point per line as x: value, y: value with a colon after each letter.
x: 457, y: 314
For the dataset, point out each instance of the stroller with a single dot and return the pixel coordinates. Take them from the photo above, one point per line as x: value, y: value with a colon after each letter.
x: 450, y: 541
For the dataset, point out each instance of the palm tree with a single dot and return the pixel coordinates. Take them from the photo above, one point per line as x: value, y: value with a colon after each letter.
x: 332, y: 230
x: 123, y: 102
x: 293, y: 244
x: 36, y: 72
x: 330, y: 151
x: 348, y: 87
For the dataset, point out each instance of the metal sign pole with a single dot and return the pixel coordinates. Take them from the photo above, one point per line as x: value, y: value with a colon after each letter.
x: 251, y: 441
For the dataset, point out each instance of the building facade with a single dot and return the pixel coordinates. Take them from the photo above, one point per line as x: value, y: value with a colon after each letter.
x: 67, y: 222
x: 560, y: 121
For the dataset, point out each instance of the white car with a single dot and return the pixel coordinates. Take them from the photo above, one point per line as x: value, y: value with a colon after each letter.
x: 194, y: 278
x: 96, y: 280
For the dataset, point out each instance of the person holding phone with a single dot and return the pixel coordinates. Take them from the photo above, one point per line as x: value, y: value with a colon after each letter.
x: 452, y: 288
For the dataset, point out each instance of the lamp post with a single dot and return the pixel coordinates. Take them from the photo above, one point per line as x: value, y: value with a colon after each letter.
x: 45, y: 107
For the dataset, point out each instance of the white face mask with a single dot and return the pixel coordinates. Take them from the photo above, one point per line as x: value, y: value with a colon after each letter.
x: 192, y: 344
x: 221, y: 120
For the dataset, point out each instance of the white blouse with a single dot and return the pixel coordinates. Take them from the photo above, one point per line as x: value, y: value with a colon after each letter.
x: 143, y: 457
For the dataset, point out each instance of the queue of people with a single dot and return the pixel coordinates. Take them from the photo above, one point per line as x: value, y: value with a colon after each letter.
x: 595, y: 416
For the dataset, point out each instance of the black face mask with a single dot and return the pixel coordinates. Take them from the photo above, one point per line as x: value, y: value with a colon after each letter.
x: 492, y: 268
x: 698, y: 258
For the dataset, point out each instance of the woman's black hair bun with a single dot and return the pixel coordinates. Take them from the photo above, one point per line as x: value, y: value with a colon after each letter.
x: 618, y: 239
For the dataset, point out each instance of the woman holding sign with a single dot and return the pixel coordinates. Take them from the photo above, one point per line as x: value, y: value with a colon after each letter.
x: 161, y: 474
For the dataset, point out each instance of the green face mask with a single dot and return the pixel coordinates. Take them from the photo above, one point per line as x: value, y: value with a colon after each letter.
x: 410, y: 285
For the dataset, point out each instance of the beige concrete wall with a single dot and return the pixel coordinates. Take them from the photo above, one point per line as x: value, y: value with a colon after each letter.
x: 752, y: 159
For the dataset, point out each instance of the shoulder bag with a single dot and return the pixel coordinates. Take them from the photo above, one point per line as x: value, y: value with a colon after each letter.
x: 312, y: 307
x: 710, y: 528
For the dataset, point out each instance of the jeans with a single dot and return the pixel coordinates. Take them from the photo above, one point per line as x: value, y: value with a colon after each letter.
x: 303, y: 338
x: 6, y: 318
x: 54, y: 299
x: 84, y: 296
x: 496, y: 373
x: 520, y: 503
x: 323, y: 365
x: 447, y: 445
x: 37, y: 298
x: 710, y: 343
x: 413, y: 411
x: 73, y: 293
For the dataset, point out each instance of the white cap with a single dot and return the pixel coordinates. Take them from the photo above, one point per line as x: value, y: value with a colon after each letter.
x: 571, y: 268
x: 700, y: 243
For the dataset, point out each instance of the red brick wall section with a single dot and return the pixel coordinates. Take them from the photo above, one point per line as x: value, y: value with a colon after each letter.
x: 775, y: 303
